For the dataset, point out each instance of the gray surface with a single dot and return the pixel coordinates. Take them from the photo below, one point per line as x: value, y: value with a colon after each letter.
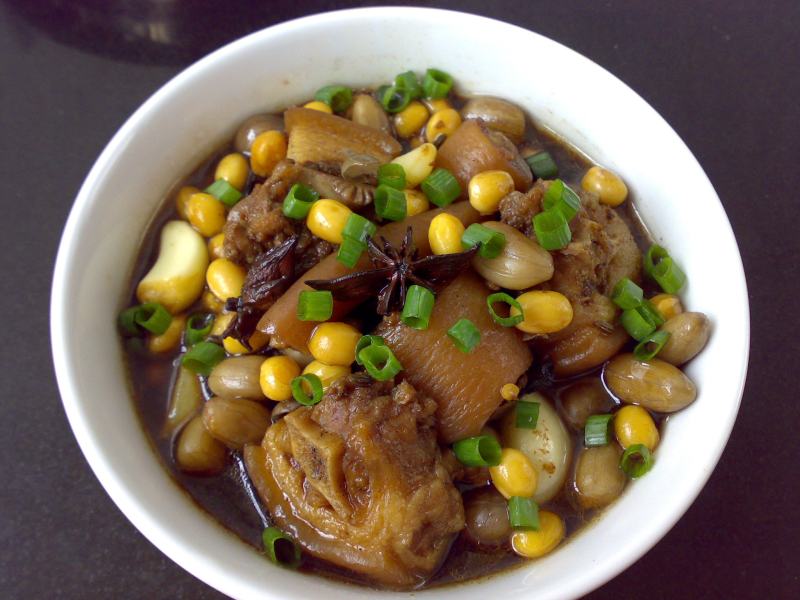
x: 726, y: 75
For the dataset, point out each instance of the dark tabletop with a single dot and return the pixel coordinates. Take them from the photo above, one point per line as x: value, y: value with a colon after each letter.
x: 725, y: 74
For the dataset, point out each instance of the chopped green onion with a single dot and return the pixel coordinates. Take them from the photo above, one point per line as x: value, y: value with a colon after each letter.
x: 394, y: 99
x: 358, y: 228
x: 561, y: 198
x: 298, y: 201
x: 198, y: 327
x: 595, y: 432
x: 651, y: 313
x: 368, y: 340
x: 507, y: 299
x: 379, y: 361
x: 523, y: 513
x: 637, y: 323
x: 338, y: 97
x: 153, y: 317
x: 627, y: 294
x: 478, y: 451
x: 491, y: 242
x: 350, y: 251
x: 224, y: 192
x: 299, y: 392
x: 392, y: 175
x: 636, y: 461
x: 650, y: 346
x: 127, y: 321
x: 552, y: 230
x: 418, y: 307
x: 203, y: 357
x: 390, y: 204
x: 436, y: 83
x: 313, y: 305
x: 542, y: 165
x: 527, y: 414
x: 441, y: 187
x: 659, y: 265
x: 408, y: 81
x: 464, y: 335
x: 280, y: 547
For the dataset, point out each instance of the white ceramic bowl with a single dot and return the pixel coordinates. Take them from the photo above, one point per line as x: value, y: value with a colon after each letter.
x: 268, y: 70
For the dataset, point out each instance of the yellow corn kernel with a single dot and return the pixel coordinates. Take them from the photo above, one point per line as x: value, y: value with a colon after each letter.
x: 416, y: 202
x: 537, y: 543
x: 509, y: 392
x: 437, y: 104
x: 221, y: 323
x: 211, y: 303
x: 327, y: 373
x: 233, y: 168
x: 215, y: 246
x: 411, y: 119
x: 205, y: 213
x: 418, y: 163
x: 234, y: 346
x: 443, y: 122
x: 320, y: 106
x: 276, y: 377
x: 634, y: 425
x: 610, y: 189
x: 515, y: 475
x: 225, y: 278
x: 327, y: 219
x: 169, y: 340
x: 182, y: 199
x: 487, y: 189
x: 544, y: 312
x: 267, y: 150
x: 334, y: 343
x: 667, y: 305
x: 444, y: 234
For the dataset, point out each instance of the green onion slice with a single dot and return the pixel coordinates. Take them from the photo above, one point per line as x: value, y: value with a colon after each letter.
x: 313, y: 305
x: 436, y: 83
x: 650, y: 346
x: 527, y: 414
x: 127, y: 321
x: 394, y: 99
x: 441, y: 187
x: 552, y: 230
x: 542, y: 165
x: 379, y: 361
x: 636, y: 460
x: 350, y: 251
x: 561, y: 198
x: 490, y: 242
x: 409, y: 81
x: 523, y: 513
x: 224, y: 192
x: 506, y: 299
x: 338, y: 97
x: 660, y: 266
x: 281, y: 549
x: 418, y: 307
x: 478, y: 451
x: 595, y: 432
x: 390, y: 203
x: 627, y: 294
x: 641, y: 321
x: 465, y: 335
x: 198, y: 327
x: 392, y: 175
x: 299, y: 392
x: 358, y: 228
x: 153, y: 317
x: 298, y: 201
x: 368, y: 340
x: 203, y: 357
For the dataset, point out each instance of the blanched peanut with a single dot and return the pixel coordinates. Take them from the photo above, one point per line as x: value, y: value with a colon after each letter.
x: 582, y: 399
x: 656, y: 384
x: 521, y: 264
x: 688, y: 334
x: 186, y: 400
x: 587, y: 348
x: 197, y: 452
x: 499, y: 115
x: 235, y: 422
x: 598, y: 478
x: 367, y: 111
x: 237, y: 377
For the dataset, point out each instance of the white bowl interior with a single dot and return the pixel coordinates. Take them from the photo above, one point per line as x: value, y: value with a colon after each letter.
x: 202, y: 106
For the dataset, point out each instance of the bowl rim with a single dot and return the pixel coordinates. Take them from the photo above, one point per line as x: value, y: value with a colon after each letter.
x: 121, y: 492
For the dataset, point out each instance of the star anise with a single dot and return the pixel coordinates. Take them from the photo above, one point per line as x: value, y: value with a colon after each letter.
x: 395, y: 270
x: 268, y: 277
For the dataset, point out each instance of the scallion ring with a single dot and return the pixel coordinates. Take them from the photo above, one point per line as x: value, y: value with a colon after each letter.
x: 595, y: 432
x: 510, y: 321
x: 390, y: 203
x: 436, y: 84
x: 203, y: 357
x: 418, y: 307
x: 660, y: 266
x: 649, y: 347
x: 198, y: 327
x: 552, y: 230
x: 627, y: 294
x: 153, y: 317
x: 636, y: 461
x: 338, y: 97
x: 441, y: 187
x: 281, y: 549
x: 392, y: 175
x: 379, y: 361
x: 394, y: 99
x: 298, y: 201
x: 490, y: 242
x: 523, y: 513
x: 478, y: 451
x: 299, y: 393
x: 526, y: 414
x: 314, y: 305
